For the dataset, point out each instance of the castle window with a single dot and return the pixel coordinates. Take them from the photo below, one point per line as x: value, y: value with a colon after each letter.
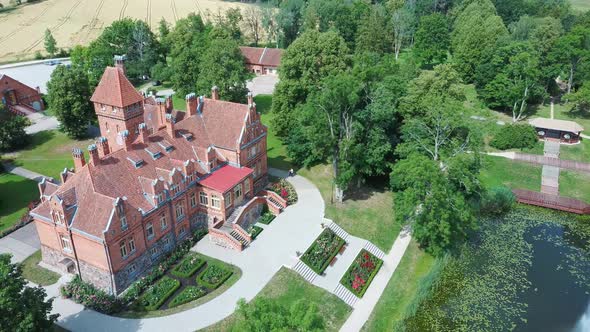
x: 252, y: 152
x: 122, y: 217
x: 106, y: 125
x: 247, y: 186
x: 193, y: 200
x: 163, y: 221
x: 227, y: 199
x: 149, y: 228
x: 215, y: 202
x: 160, y: 198
x: 175, y: 189
x: 117, y: 128
x: 65, y: 243
x: 131, y: 245
x: 123, y: 249
x: 203, y: 198
x: 154, y: 251
x: 238, y: 191
x: 182, y: 230
x: 132, y: 268
x: 179, y: 211
x: 190, y: 178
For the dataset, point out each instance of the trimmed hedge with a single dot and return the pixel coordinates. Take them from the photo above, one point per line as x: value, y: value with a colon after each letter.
x: 255, y: 231
x: 188, y: 266
x: 158, y: 293
x: 361, y: 273
x: 213, y: 276
x: 321, y: 252
x: 266, y: 218
x: 189, y: 294
x: 515, y: 136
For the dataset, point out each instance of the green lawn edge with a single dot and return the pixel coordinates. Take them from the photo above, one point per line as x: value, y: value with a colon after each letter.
x: 37, y: 274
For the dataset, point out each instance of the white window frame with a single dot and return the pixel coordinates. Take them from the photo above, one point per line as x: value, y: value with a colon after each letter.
x: 149, y: 226
x: 123, y: 249
x: 160, y: 198
x: 238, y: 191
x: 193, y: 200
x: 66, y: 243
x: 215, y: 202
x: 179, y: 208
x: 227, y: 199
x: 163, y: 222
x: 204, y: 198
x: 131, y: 245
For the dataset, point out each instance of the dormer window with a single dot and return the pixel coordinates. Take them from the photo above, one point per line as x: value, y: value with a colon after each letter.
x: 155, y: 154
x: 160, y: 198
x: 175, y: 189
x: 167, y: 146
x: 136, y: 162
x: 187, y: 136
x: 122, y: 217
x: 190, y: 178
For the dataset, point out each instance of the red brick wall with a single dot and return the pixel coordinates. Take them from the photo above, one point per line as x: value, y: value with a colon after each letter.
x: 25, y: 95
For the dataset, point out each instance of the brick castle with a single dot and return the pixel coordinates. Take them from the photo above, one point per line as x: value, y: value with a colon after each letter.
x: 154, y: 176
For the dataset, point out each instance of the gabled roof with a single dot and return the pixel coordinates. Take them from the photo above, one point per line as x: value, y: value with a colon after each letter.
x: 114, y: 89
x: 262, y: 56
x: 226, y: 178
x: 554, y: 124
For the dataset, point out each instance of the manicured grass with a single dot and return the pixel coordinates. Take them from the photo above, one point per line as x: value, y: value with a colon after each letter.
x: 48, y: 153
x: 562, y: 112
x: 499, y: 171
x: 15, y: 195
x: 179, y: 102
x: 34, y: 273
x: 578, y: 152
x: 287, y: 287
x: 276, y: 151
x: 367, y: 212
x: 574, y: 185
x: 401, y: 290
x: 321, y: 252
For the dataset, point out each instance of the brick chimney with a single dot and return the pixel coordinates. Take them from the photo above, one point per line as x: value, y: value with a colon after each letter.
x: 126, y: 139
x: 200, y: 104
x: 161, y: 112
x: 120, y: 62
x: 191, y: 104
x: 93, y: 152
x: 250, y: 98
x: 79, y: 160
x: 170, y: 120
x: 143, y: 133
x: 215, y: 93
x: 169, y: 105
x: 103, y: 146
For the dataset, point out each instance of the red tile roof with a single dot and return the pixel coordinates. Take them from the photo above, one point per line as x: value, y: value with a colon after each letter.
x: 114, y: 89
x: 226, y: 178
x: 270, y: 57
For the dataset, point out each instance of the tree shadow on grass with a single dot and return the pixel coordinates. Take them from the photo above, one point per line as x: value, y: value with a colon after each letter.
x: 15, y: 194
x: 366, y: 190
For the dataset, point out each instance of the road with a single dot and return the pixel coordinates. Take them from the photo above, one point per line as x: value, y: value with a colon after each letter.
x: 33, y: 73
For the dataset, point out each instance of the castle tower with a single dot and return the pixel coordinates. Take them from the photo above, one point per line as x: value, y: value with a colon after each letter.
x: 118, y: 105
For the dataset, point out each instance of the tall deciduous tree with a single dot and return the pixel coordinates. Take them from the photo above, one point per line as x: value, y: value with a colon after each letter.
x: 289, y: 21
x: 12, y: 132
x: 222, y: 65
x: 50, y: 43
x: 373, y: 33
x: 476, y: 30
x: 403, y: 20
x: 433, y: 39
x: 572, y: 51
x: 270, y: 25
x: 68, y: 94
x: 22, y: 308
x: 253, y: 18
x: 312, y: 57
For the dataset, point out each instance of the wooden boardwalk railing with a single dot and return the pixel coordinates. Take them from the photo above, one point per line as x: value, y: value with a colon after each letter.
x: 551, y: 201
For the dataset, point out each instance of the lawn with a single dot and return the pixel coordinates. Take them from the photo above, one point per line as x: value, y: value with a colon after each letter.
x: 574, y: 185
x: 39, y: 275
x: 578, y: 152
x: 287, y: 287
x: 401, y: 290
x: 48, y: 153
x: 276, y: 151
x: 562, y: 112
x: 15, y: 195
x: 499, y: 171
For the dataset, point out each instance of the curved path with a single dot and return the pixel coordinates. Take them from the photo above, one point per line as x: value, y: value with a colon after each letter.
x: 294, y: 230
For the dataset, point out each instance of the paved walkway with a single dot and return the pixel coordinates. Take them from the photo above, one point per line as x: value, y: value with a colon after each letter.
x: 25, y: 173
x: 21, y: 243
x: 41, y: 122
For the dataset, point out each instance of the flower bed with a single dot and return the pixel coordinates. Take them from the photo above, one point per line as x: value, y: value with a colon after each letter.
x: 266, y: 218
x: 255, y: 231
x: 157, y: 294
x: 91, y: 297
x: 322, y: 251
x: 285, y: 189
x: 213, y: 276
x: 188, y: 266
x: 359, y: 275
x: 190, y: 293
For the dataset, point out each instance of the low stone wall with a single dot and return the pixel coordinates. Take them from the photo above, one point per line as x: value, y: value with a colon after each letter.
x: 251, y: 212
x: 223, y: 239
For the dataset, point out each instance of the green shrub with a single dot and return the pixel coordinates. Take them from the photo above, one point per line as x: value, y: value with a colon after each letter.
x: 255, y: 231
x: 213, y: 276
x: 188, y: 294
x: 89, y: 296
x: 266, y: 218
x: 515, y: 136
x: 157, y: 294
x: 322, y: 251
x: 188, y: 266
x: 497, y: 200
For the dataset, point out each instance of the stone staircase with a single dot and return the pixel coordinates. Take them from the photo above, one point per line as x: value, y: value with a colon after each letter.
x: 345, y: 295
x: 305, y: 271
x: 370, y: 247
x: 337, y: 229
x: 235, y: 214
x: 236, y: 235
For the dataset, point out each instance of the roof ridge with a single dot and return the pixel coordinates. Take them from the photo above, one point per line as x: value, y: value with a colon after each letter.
x: 262, y: 55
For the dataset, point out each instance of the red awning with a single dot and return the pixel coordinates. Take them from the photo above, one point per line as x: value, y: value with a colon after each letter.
x: 226, y: 178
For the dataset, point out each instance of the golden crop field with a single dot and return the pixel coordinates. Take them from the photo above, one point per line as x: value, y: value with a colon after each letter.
x: 75, y: 22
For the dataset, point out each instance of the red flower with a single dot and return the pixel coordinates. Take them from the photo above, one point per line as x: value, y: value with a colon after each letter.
x: 284, y: 193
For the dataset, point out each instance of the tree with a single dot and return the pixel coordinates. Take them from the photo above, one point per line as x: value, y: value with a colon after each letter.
x: 312, y: 57
x: 227, y: 25
x: 428, y: 200
x: 68, y: 94
x: 289, y: 21
x: 270, y: 25
x: 403, y: 20
x: 433, y: 39
x: 50, y: 43
x: 571, y: 51
x: 222, y: 65
x: 23, y: 308
x: 517, y: 80
x: 253, y: 19
x: 580, y: 100
x: 337, y: 15
x: 373, y: 32
x: 12, y: 132
x: 476, y: 30
x: 265, y: 314
x: 163, y: 28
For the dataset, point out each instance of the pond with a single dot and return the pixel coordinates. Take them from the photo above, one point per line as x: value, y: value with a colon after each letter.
x: 556, y: 302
